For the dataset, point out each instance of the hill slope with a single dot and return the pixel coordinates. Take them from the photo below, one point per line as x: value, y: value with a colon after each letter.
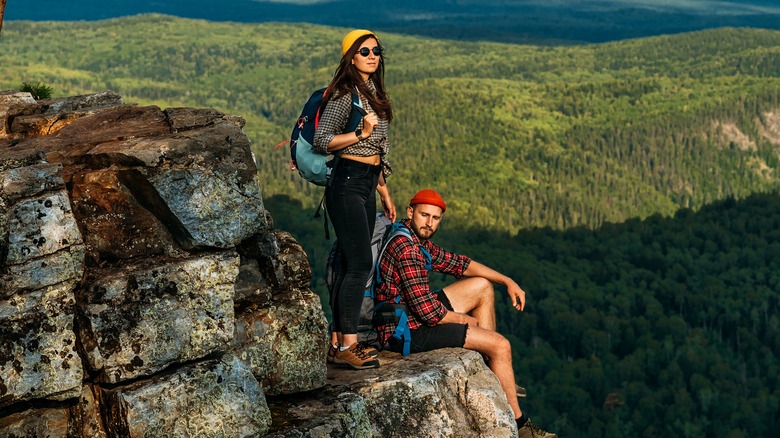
x: 513, y: 136
x: 516, y: 21
x: 659, y: 327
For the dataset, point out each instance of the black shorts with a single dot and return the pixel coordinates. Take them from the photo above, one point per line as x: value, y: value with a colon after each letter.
x: 427, y: 338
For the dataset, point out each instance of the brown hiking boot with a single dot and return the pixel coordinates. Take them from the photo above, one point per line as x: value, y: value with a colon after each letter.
x: 332, y: 349
x: 355, y: 358
x: 521, y: 391
x: 530, y: 430
x: 371, y: 351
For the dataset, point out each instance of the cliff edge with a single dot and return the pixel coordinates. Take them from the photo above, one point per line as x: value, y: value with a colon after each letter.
x: 144, y: 291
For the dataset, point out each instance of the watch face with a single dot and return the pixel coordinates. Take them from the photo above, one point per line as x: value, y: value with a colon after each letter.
x: 358, y: 132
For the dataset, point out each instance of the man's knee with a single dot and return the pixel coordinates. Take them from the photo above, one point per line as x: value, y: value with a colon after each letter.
x: 502, y: 346
x: 484, y: 287
x: 488, y: 341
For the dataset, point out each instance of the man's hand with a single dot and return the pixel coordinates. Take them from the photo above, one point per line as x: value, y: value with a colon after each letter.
x: 452, y: 317
x: 517, y: 295
x: 470, y: 320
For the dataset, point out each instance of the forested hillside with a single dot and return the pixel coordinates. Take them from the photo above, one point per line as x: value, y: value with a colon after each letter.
x: 662, y: 327
x: 513, y: 136
x: 630, y: 188
x: 678, y: 317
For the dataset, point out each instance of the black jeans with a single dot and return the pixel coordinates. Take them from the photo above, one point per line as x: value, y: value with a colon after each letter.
x: 351, y: 202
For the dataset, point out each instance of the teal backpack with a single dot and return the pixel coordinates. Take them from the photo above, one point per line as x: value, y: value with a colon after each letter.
x: 314, y: 166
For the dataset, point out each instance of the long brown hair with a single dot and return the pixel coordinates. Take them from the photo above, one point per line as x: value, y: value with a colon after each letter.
x: 347, y: 79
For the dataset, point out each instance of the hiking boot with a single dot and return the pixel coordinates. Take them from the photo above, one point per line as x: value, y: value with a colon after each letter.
x: 530, y: 430
x: 355, y: 358
x: 371, y: 351
x: 520, y: 391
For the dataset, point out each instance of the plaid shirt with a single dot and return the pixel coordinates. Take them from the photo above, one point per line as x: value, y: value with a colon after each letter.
x: 403, y: 272
x: 333, y: 120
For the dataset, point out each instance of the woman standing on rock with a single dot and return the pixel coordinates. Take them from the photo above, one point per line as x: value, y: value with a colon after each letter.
x: 360, y: 173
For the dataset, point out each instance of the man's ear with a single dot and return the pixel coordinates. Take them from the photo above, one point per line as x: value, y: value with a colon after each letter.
x: 410, y: 212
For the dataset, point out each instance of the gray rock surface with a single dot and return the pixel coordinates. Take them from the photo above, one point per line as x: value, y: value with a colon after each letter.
x: 283, y: 342
x: 141, y: 319
x: 218, y: 398
x: 42, y: 244
x: 38, y: 357
x: 134, y: 240
x: 443, y: 393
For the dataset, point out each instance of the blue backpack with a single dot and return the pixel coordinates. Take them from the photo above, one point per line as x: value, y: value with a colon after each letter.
x: 372, y: 313
x: 314, y: 166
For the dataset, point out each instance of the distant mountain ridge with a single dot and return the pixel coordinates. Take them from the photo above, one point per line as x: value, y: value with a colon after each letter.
x: 562, y: 21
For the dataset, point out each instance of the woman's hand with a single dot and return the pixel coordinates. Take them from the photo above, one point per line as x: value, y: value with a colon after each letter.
x: 389, y: 207
x: 370, y: 121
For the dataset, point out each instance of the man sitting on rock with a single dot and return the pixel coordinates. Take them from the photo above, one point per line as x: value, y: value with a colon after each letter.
x: 460, y: 315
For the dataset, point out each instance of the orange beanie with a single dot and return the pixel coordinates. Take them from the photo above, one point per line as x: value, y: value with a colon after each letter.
x: 428, y: 196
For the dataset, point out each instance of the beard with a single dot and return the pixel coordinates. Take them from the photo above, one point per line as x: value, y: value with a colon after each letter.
x: 424, y: 232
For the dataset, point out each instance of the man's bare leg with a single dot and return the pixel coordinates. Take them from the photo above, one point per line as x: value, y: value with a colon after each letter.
x: 499, y: 350
x: 476, y: 297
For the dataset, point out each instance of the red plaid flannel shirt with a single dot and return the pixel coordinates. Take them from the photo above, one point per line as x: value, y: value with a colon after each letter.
x: 403, y: 272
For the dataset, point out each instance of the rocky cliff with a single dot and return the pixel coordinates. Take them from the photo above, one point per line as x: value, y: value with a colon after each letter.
x: 144, y: 291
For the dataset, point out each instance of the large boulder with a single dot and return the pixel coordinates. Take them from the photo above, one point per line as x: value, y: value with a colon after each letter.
x: 218, y: 398
x: 38, y: 357
x: 140, y: 319
x: 442, y: 393
x: 42, y: 244
x: 283, y: 342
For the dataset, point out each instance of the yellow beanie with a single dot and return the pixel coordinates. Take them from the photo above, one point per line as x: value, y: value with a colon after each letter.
x: 351, y: 37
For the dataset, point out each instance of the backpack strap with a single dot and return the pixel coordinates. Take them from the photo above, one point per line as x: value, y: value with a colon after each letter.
x: 402, y: 331
x: 428, y: 259
x: 356, y: 114
x: 397, y: 229
x: 324, y: 209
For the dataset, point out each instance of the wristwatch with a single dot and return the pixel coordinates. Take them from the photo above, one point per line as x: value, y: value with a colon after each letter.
x: 358, y: 133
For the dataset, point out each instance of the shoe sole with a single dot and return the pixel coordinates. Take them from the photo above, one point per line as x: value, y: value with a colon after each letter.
x: 343, y: 364
x: 353, y: 367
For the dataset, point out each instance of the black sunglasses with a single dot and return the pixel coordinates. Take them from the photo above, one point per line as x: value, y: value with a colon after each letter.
x: 364, y: 51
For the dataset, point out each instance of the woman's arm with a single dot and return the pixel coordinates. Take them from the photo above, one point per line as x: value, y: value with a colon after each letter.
x: 384, y: 196
x: 330, y: 135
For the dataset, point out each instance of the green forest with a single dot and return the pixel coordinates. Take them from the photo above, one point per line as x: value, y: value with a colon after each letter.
x: 631, y: 188
x: 513, y: 136
x: 666, y: 326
